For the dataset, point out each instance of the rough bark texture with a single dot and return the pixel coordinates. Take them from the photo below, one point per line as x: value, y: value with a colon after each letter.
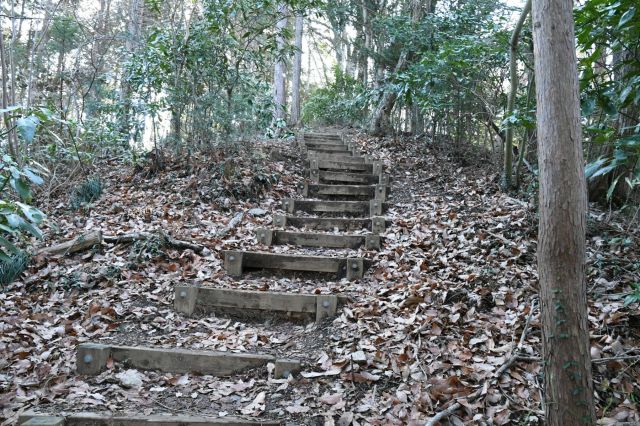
x: 563, y: 203
x: 297, y: 71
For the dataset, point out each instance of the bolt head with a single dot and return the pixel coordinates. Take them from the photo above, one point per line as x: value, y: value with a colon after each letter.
x: 326, y: 304
x: 354, y: 266
x: 232, y: 258
x: 88, y: 359
x: 183, y: 294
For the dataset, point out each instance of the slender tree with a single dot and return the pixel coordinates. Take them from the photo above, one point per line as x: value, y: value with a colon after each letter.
x: 297, y: 70
x: 279, y: 92
x: 563, y: 203
x: 513, y: 73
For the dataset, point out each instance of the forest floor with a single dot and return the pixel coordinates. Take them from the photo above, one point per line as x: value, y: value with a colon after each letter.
x: 448, y: 309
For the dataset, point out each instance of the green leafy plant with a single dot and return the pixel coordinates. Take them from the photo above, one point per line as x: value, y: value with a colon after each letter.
x: 87, y: 192
x: 634, y: 296
x: 12, y: 267
x: 16, y: 215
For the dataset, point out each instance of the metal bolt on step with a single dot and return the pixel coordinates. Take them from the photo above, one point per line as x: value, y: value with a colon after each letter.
x: 88, y: 359
x: 232, y: 258
x: 326, y: 304
x: 183, y: 294
x: 354, y: 266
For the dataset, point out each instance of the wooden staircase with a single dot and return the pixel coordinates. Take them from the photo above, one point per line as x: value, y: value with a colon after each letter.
x: 332, y: 200
x: 343, y: 191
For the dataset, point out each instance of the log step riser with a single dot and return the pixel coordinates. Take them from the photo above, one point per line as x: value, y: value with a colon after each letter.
x: 237, y: 262
x: 92, y: 359
x: 189, y: 299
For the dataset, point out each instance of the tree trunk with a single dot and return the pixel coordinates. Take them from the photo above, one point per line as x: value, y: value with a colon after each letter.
x: 563, y: 204
x: 279, y: 69
x: 513, y: 72
x: 297, y: 71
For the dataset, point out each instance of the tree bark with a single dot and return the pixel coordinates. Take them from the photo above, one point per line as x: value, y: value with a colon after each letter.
x: 297, y: 71
x: 279, y: 69
x: 563, y: 204
x: 513, y: 72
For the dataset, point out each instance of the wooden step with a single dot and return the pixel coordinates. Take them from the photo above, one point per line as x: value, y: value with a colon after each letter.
x: 328, y: 156
x: 322, y: 136
x: 339, y: 151
x: 327, y: 176
x: 189, y: 299
x: 357, y: 208
x: 324, y: 191
x: 92, y: 359
x: 31, y: 418
x: 377, y: 224
x: 346, y: 166
x: 309, y: 239
x: 236, y: 262
x: 334, y: 147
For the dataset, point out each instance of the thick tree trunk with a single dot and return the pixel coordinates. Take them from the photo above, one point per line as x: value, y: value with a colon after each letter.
x: 297, y: 71
x: 279, y: 93
x: 563, y: 203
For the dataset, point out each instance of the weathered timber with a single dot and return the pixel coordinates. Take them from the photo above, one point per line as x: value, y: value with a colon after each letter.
x: 92, y: 359
x: 329, y: 223
x: 188, y: 299
x: 309, y: 239
x: 328, y: 156
x: 31, y: 418
x: 312, y: 151
x: 342, y: 165
x: 326, y: 147
x: 323, y: 136
x: 354, y: 178
x: 81, y: 243
x: 352, y: 268
x: 315, y: 190
x: 350, y: 208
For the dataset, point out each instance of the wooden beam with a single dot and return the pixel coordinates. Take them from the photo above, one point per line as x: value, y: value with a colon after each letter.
x: 343, y: 166
x: 323, y: 264
x: 328, y: 156
x: 188, y: 299
x: 359, y: 208
x: 92, y: 358
x: 324, y: 223
x: 310, y: 239
x: 355, y: 178
x: 31, y: 418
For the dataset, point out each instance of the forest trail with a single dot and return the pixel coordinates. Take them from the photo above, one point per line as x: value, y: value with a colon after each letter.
x: 446, y: 310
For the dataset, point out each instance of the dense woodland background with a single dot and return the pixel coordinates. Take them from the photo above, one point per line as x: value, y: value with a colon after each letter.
x: 155, y: 86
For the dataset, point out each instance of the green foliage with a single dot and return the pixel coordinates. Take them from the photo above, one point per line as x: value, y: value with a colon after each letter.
x: 342, y: 101
x: 610, y: 91
x: 12, y: 266
x: 634, y: 296
x: 87, y: 192
x: 16, y: 215
x: 459, y: 64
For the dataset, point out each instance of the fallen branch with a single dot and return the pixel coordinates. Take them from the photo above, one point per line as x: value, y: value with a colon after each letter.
x: 95, y: 238
x: 165, y: 239
x: 478, y: 393
x: 81, y: 243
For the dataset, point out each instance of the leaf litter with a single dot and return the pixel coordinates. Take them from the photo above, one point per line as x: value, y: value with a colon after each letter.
x: 442, y: 309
